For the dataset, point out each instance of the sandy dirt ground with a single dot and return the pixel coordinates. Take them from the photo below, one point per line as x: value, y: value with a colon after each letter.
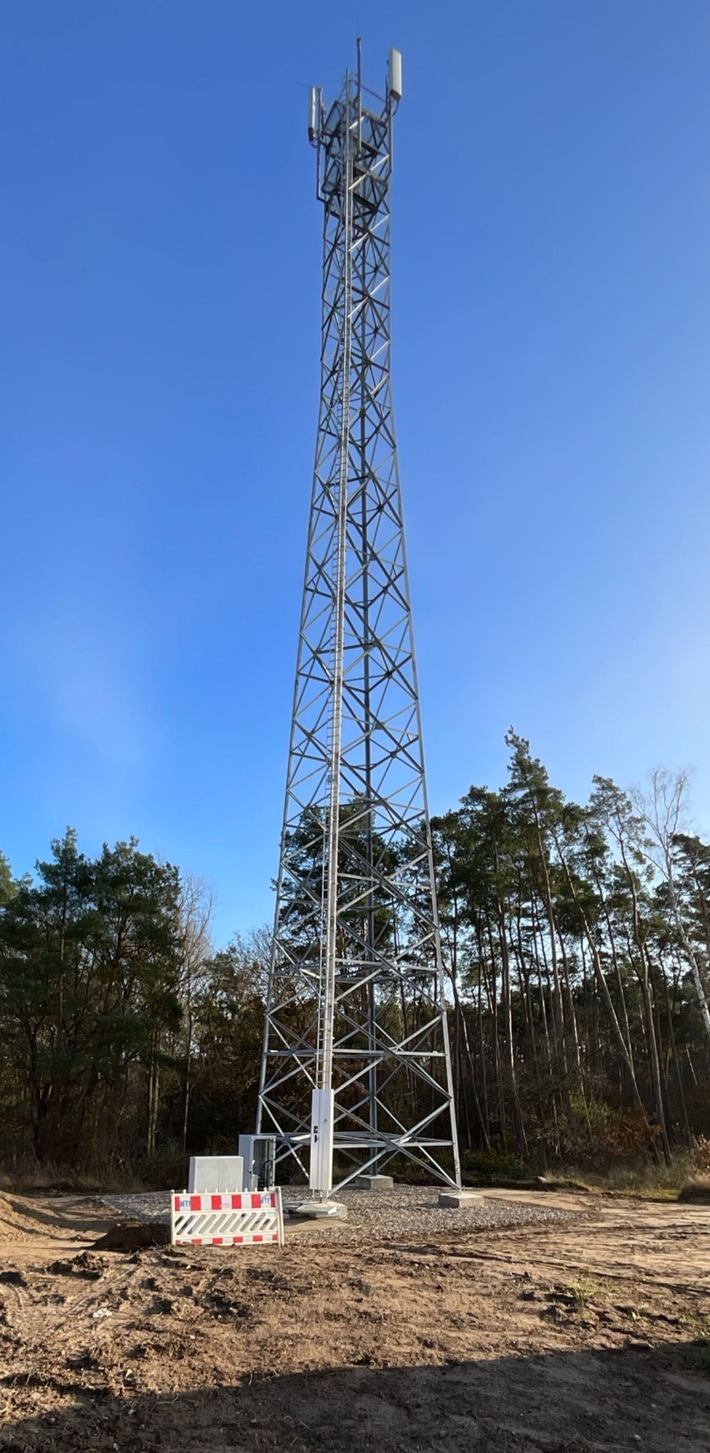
x: 591, y: 1333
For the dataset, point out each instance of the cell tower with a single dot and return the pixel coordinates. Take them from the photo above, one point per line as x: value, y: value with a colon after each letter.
x: 356, y: 1067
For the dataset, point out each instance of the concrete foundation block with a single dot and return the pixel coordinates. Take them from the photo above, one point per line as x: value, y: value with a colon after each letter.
x: 318, y: 1210
x: 456, y: 1200
x: 374, y: 1183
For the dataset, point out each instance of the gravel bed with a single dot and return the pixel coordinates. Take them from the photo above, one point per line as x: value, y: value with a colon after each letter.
x: 396, y: 1215
x: 407, y: 1212
x: 145, y: 1206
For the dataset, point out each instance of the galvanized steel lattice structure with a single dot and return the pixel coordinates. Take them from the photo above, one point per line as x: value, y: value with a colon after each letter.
x: 356, y: 999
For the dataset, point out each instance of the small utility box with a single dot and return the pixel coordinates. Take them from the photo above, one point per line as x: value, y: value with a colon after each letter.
x: 216, y: 1173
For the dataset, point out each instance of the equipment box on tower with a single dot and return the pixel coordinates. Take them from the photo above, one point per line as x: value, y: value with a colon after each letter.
x: 259, y: 1156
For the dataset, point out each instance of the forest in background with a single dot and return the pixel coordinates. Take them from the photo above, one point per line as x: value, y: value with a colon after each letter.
x: 577, y: 958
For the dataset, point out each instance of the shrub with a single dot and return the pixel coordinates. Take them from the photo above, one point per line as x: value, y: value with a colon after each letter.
x: 489, y: 1166
x: 700, y: 1156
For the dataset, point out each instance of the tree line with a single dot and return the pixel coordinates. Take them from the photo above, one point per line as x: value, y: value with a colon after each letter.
x: 578, y: 945
x: 577, y: 959
x: 126, y: 1037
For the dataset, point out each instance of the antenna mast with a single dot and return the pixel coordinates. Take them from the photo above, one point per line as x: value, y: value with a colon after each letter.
x: 356, y: 1069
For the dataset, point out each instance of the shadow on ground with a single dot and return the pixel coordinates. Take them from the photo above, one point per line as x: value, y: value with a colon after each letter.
x: 652, y: 1399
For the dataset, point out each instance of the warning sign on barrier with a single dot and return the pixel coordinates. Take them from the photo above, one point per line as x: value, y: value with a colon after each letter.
x: 238, y: 1218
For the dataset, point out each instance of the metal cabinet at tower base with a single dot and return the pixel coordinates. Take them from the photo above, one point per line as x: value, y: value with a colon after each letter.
x: 259, y: 1155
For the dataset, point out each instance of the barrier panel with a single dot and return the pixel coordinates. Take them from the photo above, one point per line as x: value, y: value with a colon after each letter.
x: 237, y: 1218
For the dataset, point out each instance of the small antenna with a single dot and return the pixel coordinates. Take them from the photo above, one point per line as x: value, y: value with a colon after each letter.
x: 313, y: 117
x: 394, y: 75
x: 359, y: 92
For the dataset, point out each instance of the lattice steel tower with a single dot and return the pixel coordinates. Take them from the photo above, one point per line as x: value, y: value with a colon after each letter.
x: 356, y: 1067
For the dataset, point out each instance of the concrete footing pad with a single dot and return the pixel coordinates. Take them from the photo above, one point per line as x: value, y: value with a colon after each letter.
x: 318, y: 1210
x: 455, y: 1200
x: 374, y: 1183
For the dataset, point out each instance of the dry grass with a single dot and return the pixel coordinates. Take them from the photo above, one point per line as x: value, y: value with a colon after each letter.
x: 30, y: 1179
x: 648, y: 1182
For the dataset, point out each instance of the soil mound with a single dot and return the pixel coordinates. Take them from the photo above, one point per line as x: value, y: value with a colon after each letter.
x: 26, y: 1222
x: 16, y: 1222
x: 133, y: 1236
x: 695, y: 1193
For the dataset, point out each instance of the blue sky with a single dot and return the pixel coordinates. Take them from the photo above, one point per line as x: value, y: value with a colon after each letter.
x: 160, y: 264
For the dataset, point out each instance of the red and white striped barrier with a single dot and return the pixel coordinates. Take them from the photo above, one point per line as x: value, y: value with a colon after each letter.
x: 238, y: 1218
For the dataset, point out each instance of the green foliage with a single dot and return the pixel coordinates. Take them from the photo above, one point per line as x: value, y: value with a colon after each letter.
x: 89, y: 959
x: 358, y: 848
x: 7, y: 885
x: 576, y: 1022
x: 228, y: 1039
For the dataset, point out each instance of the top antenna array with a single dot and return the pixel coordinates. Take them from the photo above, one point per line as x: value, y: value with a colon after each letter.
x: 392, y: 94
